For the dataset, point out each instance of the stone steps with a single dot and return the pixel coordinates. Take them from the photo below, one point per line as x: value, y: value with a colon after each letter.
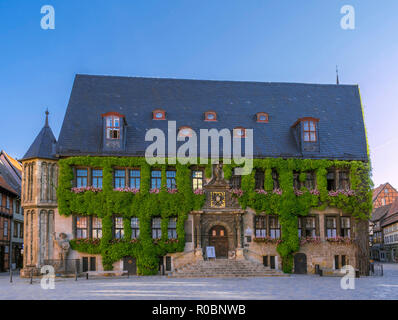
x: 224, y: 268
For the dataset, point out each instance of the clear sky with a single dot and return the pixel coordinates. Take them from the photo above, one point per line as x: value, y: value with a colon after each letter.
x: 259, y: 40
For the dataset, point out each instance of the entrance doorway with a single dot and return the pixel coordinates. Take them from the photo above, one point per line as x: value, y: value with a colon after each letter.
x: 300, y: 263
x: 219, y: 240
x: 130, y: 265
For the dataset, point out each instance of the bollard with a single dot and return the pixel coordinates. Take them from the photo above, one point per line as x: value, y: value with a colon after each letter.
x: 75, y: 275
x: 10, y: 275
x: 87, y: 276
x: 128, y: 274
x: 31, y: 276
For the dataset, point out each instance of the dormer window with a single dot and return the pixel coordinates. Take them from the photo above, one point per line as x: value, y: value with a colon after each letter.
x: 112, y: 127
x: 185, y: 132
x: 239, y: 132
x: 309, y: 129
x: 159, y: 114
x: 210, y: 116
x: 262, y: 117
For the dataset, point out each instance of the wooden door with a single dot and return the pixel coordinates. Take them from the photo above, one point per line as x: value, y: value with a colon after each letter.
x: 300, y: 263
x: 130, y: 265
x: 219, y: 240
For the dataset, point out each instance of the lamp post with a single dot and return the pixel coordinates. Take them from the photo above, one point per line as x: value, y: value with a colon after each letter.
x: 10, y: 248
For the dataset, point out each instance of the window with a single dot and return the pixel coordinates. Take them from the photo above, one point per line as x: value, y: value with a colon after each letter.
x: 81, y: 227
x: 261, y: 226
x: 156, y: 179
x: 171, y: 180
x: 274, y: 228
x: 5, y: 228
x: 159, y: 114
x: 239, y: 132
x: 262, y: 117
x: 17, y: 206
x: 296, y: 180
x: 185, y: 132
x: 236, y: 180
x: 113, y: 127
x: 259, y: 178
x: 275, y: 178
x: 309, y: 127
x: 120, y: 178
x: 96, y: 228
x: 81, y: 178
x: 156, y: 228
x: 344, y: 181
x: 97, y: 178
x: 331, y: 180
x: 119, y: 230
x: 345, y: 227
x: 307, y: 227
x: 310, y: 180
x: 197, y: 180
x: 21, y: 231
x: 331, y: 227
x: 172, y: 228
x: 135, y: 228
x: 210, y: 116
x: 8, y: 202
x: 15, y: 234
x: 135, y: 179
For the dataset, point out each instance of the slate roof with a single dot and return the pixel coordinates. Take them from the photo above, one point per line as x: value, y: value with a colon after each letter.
x: 338, y: 107
x: 380, y: 212
x: 392, y: 215
x: 43, y: 146
x: 7, y: 181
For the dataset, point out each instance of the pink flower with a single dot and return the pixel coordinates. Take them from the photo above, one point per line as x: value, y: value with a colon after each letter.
x: 127, y: 189
x: 172, y: 191
x: 156, y: 191
x: 261, y: 191
x: 277, y: 191
x: 237, y: 192
x: 315, y: 192
x: 298, y: 192
x: 199, y: 191
x: 84, y: 189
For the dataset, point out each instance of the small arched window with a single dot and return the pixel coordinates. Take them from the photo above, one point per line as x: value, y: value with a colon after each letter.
x: 239, y: 132
x: 185, y: 132
x: 159, y: 114
x: 210, y: 116
x: 262, y: 117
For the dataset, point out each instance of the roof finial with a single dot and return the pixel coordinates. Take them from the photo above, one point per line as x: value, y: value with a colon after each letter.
x: 47, y: 113
x: 337, y: 75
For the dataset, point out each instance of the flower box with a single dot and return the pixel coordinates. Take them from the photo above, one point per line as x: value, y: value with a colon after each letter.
x: 84, y: 189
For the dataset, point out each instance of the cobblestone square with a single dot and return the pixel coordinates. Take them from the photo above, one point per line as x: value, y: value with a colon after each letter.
x: 157, y: 287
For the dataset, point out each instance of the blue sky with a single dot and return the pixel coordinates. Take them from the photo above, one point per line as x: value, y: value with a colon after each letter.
x: 259, y: 40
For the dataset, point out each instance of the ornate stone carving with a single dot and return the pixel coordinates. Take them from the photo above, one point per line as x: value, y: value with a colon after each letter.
x: 63, y: 245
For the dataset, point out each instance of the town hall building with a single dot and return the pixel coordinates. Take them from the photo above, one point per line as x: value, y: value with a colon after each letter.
x: 93, y: 202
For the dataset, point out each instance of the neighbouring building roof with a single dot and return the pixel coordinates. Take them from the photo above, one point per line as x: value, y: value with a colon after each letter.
x: 44, y: 145
x: 380, y: 212
x: 338, y: 108
x: 392, y: 215
x: 8, y: 182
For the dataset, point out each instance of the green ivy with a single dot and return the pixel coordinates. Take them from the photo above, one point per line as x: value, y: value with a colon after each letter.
x: 145, y: 205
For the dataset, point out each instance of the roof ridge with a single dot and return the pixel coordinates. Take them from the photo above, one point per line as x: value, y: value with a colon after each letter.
x: 212, y: 80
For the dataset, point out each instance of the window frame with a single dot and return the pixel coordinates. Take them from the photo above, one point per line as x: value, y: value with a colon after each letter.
x: 335, y: 217
x: 118, y: 232
x: 343, y: 229
x: 260, y: 226
x: 171, y: 179
x: 213, y: 113
x: 311, y: 131
x: 195, y: 180
x: 113, y: 127
x: 135, y: 178
x: 172, y: 230
x: 156, y: 229
x: 78, y: 177
x: 135, y: 228
x: 236, y: 180
x: 277, y: 229
x: 97, y: 178
x: 95, y: 230
x: 79, y: 231
x: 157, y: 179
x: 119, y: 178
x: 259, y: 177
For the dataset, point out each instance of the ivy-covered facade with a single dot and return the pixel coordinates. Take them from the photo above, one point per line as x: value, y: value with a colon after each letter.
x: 305, y: 203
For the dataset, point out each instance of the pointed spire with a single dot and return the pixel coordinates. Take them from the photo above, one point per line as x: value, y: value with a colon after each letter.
x: 337, y: 75
x: 47, y: 113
